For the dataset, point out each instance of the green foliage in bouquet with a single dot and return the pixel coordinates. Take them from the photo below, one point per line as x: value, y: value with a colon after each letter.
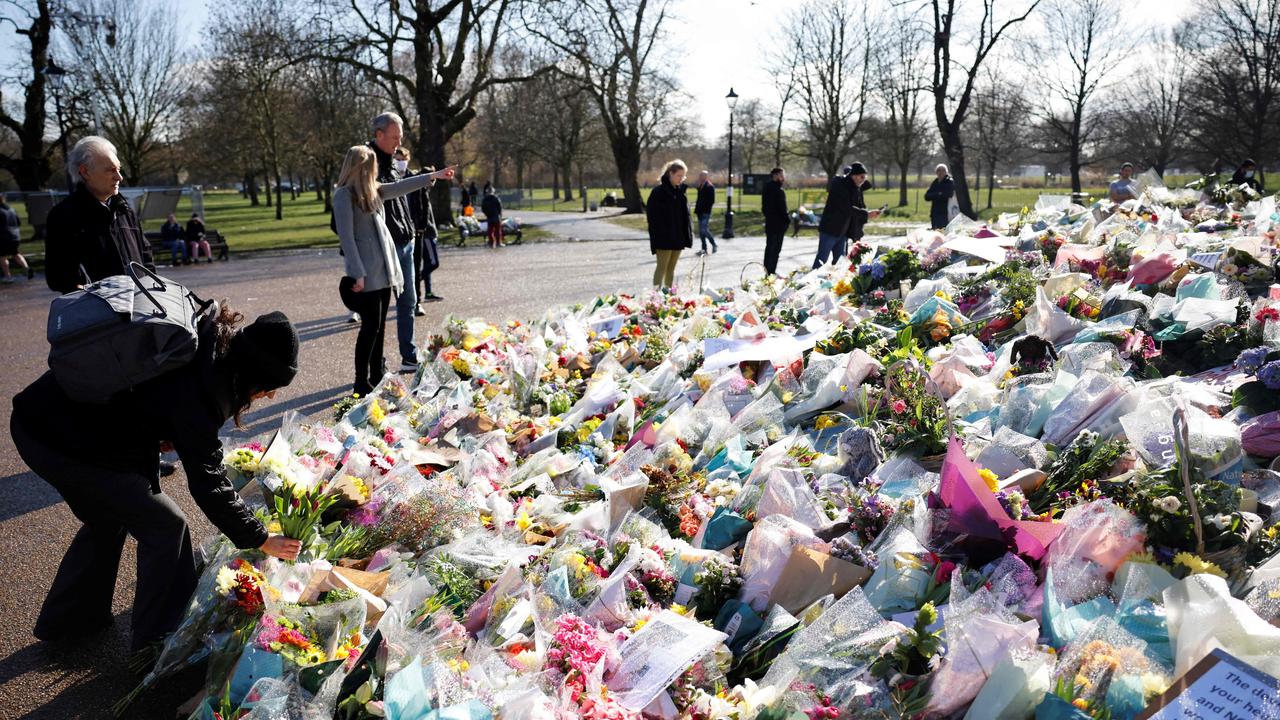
x: 1159, y: 499
x: 1088, y: 457
x: 915, y: 419
x: 907, y: 666
x: 457, y: 590
x: 343, y: 406
x: 861, y: 336
x: 1066, y: 690
x: 718, y: 581
x: 298, y: 510
x: 345, y: 541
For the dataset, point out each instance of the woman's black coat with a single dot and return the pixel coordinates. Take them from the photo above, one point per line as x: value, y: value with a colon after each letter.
x: 939, y: 193
x: 186, y: 407
x: 668, y: 215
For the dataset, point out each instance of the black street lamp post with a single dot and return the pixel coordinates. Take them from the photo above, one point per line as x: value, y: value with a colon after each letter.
x: 56, y: 77
x: 732, y: 100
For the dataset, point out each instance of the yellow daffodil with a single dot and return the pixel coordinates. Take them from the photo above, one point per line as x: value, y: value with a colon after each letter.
x: 523, y: 521
x: 990, y: 478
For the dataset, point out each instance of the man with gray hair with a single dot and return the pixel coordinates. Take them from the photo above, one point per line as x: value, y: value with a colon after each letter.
x: 94, y: 233
x: 388, y: 131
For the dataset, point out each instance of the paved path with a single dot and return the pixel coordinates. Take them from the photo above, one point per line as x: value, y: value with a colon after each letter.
x: 41, y: 680
x: 581, y: 226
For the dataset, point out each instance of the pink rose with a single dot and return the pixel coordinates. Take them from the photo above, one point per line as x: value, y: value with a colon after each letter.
x: 943, y: 572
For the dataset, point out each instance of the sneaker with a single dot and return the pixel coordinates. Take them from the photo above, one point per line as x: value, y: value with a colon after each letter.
x: 31, y: 273
x: 7, y: 281
x: 355, y: 318
x: 700, y: 253
x: 714, y: 248
x: 432, y: 297
x: 418, y: 311
x: 167, y: 468
x: 408, y: 366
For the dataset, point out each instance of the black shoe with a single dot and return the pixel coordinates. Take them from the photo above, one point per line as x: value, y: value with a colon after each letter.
x: 31, y: 273
x: 167, y: 468
x: 72, y: 631
x: 714, y: 248
x: 432, y: 297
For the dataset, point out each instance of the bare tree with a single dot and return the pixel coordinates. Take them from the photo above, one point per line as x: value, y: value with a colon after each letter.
x: 783, y: 72
x: 753, y: 135
x: 133, y: 75
x: 1089, y: 40
x: 999, y: 113
x: 251, y: 54
x: 334, y: 100
x: 612, y: 52
x: 433, y: 59
x: 954, y: 79
x: 1238, y: 78
x: 901, y: 77
x: 1154, y: 132
x: 833, y: 44
x: 30, y: 163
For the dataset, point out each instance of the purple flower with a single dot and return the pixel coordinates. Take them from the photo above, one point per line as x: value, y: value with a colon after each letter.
x: 877, y: 270
x: 1250, y: 360
x: 864, y: 269
x: 1269, y: 374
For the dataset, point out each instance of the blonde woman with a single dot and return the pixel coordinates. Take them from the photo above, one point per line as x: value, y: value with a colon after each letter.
x: 373, y: 274
x: 669, y: 230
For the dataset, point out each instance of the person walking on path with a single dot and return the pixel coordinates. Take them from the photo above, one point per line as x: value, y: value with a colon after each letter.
x: 195, y: 239
x: 702, y: 209
x: 667, y: 212
x: 93, y: 233
x: 844, y: 215
x: 103, y: 460
x: 171, y: 236
x: 374, y: 274
x: 10, y: 239
x: 940, y: 192
x: 773, y: 203
x: 491, y: 206
x: 426, y: 256
x: 388, y: 131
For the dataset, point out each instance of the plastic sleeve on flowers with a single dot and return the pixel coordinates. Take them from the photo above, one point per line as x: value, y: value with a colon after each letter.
x: 216, y: 496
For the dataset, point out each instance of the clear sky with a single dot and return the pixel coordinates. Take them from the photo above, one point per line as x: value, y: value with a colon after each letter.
x: 715, y: 45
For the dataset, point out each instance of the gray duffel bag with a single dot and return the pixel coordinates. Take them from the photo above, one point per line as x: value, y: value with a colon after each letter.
x: 123, y: 330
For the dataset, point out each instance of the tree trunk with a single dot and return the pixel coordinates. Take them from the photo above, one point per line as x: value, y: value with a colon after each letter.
x: 902, y: 184
x: 954, y: 149
x: 977, y: 179
x: 251, y: 189
x: 328, y: 196
x: 279, y: 206
x: 267, y: 189
x: 555, y: 182
x: 626, y: 157
x: 319, y: 189
x: 991, y: 183
x: 568, y: 181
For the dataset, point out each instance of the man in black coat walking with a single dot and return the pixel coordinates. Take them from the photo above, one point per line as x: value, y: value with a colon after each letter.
x: 702, y: 209
x: 773, y: 203
x: 94, y: 233
x: 939, y: 193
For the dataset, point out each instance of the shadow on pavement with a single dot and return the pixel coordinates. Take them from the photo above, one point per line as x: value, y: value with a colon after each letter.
x: 316, y: 329
x: 25, y: 492
x: 267, y: 417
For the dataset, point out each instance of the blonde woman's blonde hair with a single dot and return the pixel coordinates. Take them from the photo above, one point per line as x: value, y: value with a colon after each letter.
x: 360, y: 173
x: 673, y: 166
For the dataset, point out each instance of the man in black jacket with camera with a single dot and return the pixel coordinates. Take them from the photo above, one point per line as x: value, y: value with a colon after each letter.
x: 844, y: 215
x: 388, y: 130
x: 93, y: 234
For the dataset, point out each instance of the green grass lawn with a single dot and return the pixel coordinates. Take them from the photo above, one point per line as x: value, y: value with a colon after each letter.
x: 248, y: 228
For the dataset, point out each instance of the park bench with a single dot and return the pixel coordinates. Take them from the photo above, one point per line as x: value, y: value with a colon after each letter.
x: 808, y: 219
x: 511, y: 229
x: 218, y: 246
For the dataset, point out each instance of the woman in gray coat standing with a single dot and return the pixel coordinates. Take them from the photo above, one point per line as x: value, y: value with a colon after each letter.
x: 373, y: 275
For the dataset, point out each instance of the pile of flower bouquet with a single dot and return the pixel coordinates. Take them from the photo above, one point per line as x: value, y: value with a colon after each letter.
x: 1006, y: 471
